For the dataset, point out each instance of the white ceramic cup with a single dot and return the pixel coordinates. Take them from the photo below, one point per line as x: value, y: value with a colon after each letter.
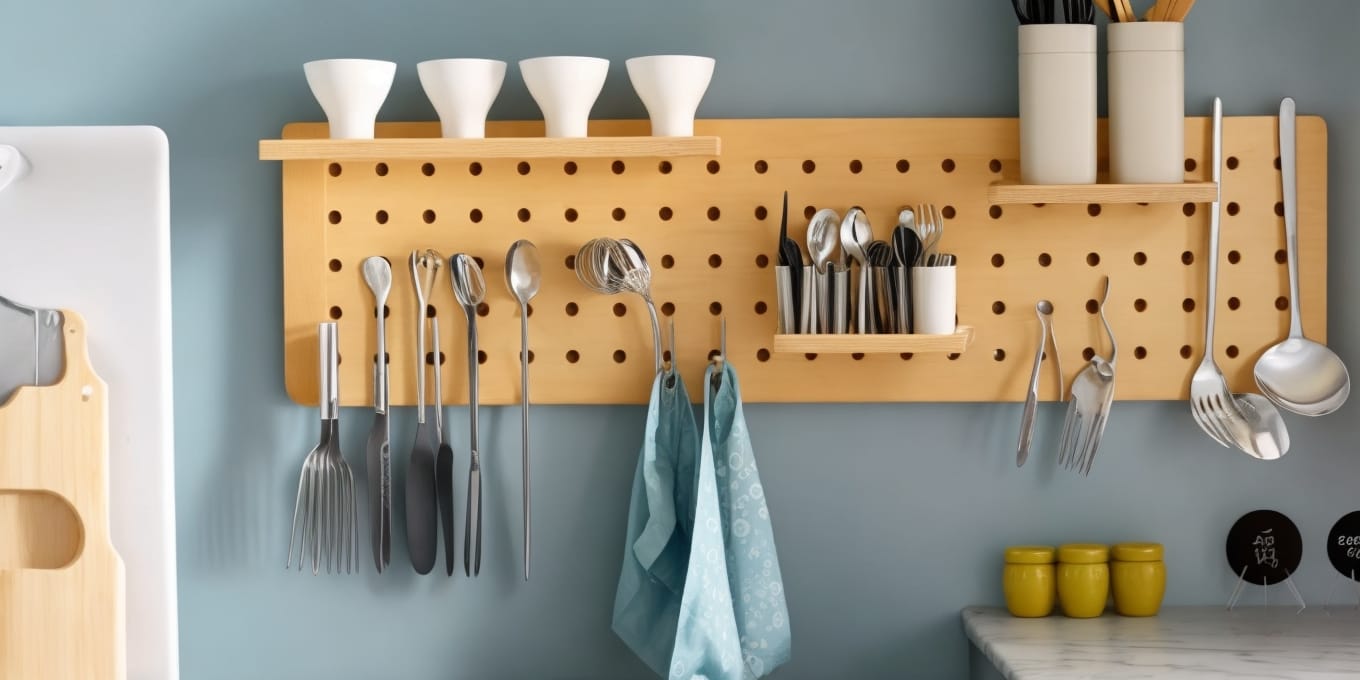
x: 933, y: 297
x: 671, y: 87
x: 462, y: 91
x: 565, y: 89
x: 350, y: 91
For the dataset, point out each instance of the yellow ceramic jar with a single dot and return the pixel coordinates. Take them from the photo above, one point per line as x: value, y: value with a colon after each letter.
x: 1083, y: 579
x: 1139, y: 578
x: 1028, y: 580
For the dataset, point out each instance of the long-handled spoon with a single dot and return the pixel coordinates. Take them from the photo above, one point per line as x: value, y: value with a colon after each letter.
x: 377, y: 273
x: 524, y: 276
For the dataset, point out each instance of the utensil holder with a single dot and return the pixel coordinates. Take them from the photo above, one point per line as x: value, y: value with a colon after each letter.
x: 1147, y: 102
x: 1058, y: 104
x: 934, y: 307
x: 788, y: 316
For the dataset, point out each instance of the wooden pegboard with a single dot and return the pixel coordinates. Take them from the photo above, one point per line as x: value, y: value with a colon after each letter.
x: 707, y: 225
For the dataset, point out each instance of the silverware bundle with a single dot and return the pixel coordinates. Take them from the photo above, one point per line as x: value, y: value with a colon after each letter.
x: 816, y: 296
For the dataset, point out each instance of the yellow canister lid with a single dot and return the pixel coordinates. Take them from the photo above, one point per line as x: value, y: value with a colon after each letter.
x: 1138, y: 552
x: 1083, y: 553
x: 1029, y: 554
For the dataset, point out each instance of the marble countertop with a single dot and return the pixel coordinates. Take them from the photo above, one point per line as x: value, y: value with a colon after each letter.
x: 1181, y: 642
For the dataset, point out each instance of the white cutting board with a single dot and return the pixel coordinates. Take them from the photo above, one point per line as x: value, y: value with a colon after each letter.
x: 88, y: 228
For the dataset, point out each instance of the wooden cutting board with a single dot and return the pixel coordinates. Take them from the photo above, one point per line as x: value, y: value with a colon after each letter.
x: 61, y: 582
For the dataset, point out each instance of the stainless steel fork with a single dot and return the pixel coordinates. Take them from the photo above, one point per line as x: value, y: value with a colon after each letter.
x: 1088, y: 410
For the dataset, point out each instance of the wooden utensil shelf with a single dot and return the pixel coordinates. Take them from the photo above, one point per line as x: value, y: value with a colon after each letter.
x: 954, y: 343
x: 387, y: 149
x: 1011, y: 193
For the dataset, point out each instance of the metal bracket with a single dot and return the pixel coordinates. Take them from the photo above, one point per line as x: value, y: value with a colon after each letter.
x: 13, y: 165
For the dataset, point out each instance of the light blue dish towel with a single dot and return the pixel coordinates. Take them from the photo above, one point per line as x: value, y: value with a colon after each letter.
x: 673, y: 605
x: 757, y: 587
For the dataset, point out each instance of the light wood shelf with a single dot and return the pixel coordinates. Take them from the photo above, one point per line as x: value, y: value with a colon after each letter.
x: 956, y: 342
x: 388, y: 149
x: 1010, y: 193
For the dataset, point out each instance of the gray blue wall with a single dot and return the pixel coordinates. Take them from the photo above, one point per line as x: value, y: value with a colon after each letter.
x: 881, y: 543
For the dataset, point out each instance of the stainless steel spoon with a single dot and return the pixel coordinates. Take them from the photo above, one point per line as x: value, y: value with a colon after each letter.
x: 470, y: 288
x: 524, y: 276
x: 377, y: 273
x: 420, y: 475
x: 1044, y: 310
x: 1297, y: 373
x: 855, y: 238
x: 822, y: 246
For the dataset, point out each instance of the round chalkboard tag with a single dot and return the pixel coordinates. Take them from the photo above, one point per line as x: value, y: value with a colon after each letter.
x: 1267, y: 545
x: 1343, y: 545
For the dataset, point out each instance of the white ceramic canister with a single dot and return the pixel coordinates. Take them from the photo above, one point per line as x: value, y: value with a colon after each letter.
x: 1058, y: 104
x: 1147, y: 102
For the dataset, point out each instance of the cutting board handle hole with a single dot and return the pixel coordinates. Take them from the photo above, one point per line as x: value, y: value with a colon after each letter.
x: 38, y: 530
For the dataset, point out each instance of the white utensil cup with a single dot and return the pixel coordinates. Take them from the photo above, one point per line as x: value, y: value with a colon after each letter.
x: 934, y: 299
x: 1147, y: 102
x: 671, y: 87
x: 350, y: 91
x: 565, y: 89
x: 1058, y: 104
x: 462, y: 91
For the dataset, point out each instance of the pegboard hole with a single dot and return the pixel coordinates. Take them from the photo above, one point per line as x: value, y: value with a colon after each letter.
x: 715, y: 308
x: 380, y: 217
x: 948, y: 212
x: 618, y: 214
x: 715, y: 260
x: 999, y: 354
x: 523, y: 168
x: 523, y: 214
x: 569, y: 167
x: 573, y: 356
x: 762, y: 167
x: 994, y: 166
x: 762, y: 354
x: 1234, y: 257
x: 906, y: 356
x: 761, y: 212
x: 714, y: 213
x: 572, y: 309
x: 1233, y: 209
x: 1279, y: 209
x: 481, y: 356
x: 1234, y: 303
x: 1277, y: 162
x: 427, y: 169
x: 1187, y: 258
x: 333, y: 216
x: 1092, y: 307
x: 1282, y: 303
x: 998, y: 307
x: 1140, y: 352
x: 947, y: 165
x: 571, y: 215
x: 1187, y: 351
x: 617, y: 167
x: 336, y: 312
x: 856, y: 167
x: 387, y: 312
x: 387, y: 358
x: 620, y: 309
x: 428, y: 216
x: 1093, y: 259
x: 1093, y: 209
x: 808, y: 212
x: 529, y: 308
x: 531, y: 356
x: 334, y: 169
x: 762, y: 260
x: 571, y: 262
x: 761, y: 307
x: 1231, y: 351
x: 429, y: 358
x: 809, y: 167
x: 998, y: 260
x: 474, y: 168
x: 1088, y: 353
x: 1188, y: 209
x: 665, y: 213
x: 664, y: 167
x: 667, y: 261
x: 1140, y: 305
x: 903, y: 166
x: 1045, y: 259
x: 430, y: 311
x: 481, y: 264
x: 1281, y: 257
x: 1190, y: 165
x: 1232, y: 162
x: 380, y: 169
x: 620, y: 356
x: 1188, y: 304
x: 335, y: 265
x: 668, y: 308
x: 475, y: 215
x: 857, y: 356
x: 953, y: 356
x: 995, y: 212
x: 713, y: 167
x: 810, y: 356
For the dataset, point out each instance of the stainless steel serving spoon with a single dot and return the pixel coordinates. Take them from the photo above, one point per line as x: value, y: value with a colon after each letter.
x: 524, y: 276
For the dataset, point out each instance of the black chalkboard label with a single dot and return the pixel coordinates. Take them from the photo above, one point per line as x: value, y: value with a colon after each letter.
x: 1343, y: 545
x: 1267, y: 545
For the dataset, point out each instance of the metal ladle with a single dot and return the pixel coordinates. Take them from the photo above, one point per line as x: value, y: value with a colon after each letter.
x: 524, y: 276
x: 1297, y: 373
